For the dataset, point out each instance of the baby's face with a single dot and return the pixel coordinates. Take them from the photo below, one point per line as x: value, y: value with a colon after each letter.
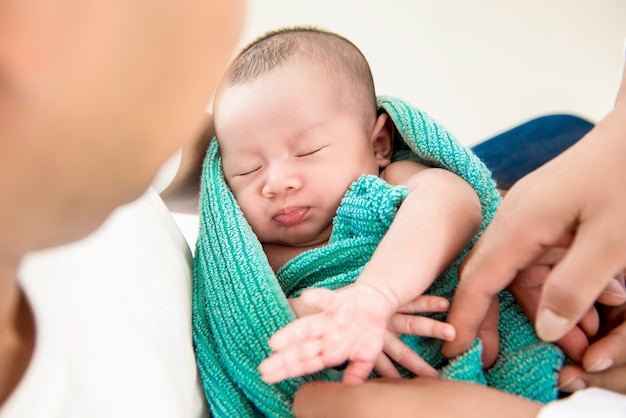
x: 290, y: 151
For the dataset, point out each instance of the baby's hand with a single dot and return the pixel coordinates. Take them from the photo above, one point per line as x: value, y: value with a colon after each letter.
x: 351, y: 327
x: 404, y: 322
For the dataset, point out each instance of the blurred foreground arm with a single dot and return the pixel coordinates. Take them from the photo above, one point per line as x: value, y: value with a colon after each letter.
x: 418, y: 397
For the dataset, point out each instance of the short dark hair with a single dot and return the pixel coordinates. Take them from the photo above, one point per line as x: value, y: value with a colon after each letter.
x: 342, y: 61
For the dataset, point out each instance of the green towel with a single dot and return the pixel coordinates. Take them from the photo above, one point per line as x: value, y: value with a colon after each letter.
x: 238, y: 302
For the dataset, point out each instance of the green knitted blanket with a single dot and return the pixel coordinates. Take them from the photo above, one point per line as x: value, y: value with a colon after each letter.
x: 238, y: 302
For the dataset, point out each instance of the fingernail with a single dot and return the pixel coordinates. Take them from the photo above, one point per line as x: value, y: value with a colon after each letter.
x: 601, y: 365
x: 448, y: 333
x: 443, y: 304
x: 616, y: 288
x: 572, y: 385
x: 550, y: 326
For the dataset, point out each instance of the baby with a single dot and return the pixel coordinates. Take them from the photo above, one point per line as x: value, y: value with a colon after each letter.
x: 320, y: 199
x: 297, y: 124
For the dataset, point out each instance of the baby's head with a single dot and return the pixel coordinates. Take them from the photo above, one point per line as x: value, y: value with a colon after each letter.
x: 296, y: 121
x: 332, y: 57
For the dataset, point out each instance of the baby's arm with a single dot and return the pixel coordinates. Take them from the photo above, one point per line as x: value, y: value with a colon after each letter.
x: 434, y: 224
x: 438, y: 218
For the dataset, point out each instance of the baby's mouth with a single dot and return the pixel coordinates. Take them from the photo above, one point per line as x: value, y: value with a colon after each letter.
x: 291, y: 215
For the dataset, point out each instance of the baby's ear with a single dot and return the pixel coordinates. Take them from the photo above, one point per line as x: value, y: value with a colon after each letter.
x: 382, y: 139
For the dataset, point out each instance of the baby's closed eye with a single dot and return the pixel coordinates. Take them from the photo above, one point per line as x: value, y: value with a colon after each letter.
x: 247, y: 171
x: 310, y: 151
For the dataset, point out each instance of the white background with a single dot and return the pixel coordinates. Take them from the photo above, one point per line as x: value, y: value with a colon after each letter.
x: 478, y: 67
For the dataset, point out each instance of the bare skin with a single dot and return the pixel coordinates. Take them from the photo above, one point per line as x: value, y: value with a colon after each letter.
x: 418, y: 397
x: 74, y: 149
x: 567, y: 203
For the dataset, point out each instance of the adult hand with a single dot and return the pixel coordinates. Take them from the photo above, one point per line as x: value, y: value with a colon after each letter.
x: 526, y: 288
x: 418, y: 397
x: 604, y: 362
x: 575, y: 201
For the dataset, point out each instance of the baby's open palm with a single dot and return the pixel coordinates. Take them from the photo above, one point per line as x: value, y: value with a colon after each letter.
x: 350, y: 327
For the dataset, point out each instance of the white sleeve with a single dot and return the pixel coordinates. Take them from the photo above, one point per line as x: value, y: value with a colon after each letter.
x: 592, y: 402
x: 113, y: 314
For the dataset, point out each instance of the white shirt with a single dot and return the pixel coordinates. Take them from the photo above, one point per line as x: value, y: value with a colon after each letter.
x: 113, y: 323
x: 591, y: 402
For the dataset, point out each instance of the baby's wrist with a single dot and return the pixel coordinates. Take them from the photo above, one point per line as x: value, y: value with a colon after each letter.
x: 393, y: 302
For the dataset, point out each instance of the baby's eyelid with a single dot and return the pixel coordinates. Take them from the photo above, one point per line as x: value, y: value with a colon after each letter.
x: 245, y: 173
x: 304, y: 154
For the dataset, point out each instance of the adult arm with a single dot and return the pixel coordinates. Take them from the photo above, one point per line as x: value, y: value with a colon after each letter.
x: 440, y: 398
x: 418, y: 397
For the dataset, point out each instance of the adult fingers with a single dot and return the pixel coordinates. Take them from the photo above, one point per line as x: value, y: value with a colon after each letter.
x: 527, y: 289
x: 489, y: 267
x: 483, y: 326
x: 407, y: 358
x: 575, y: 283
x: 488, y: 334
x: 420, y: 325
x: 385, y: 368
x: 573, y: 378
x: 425, y: 303
x: 610, y: 350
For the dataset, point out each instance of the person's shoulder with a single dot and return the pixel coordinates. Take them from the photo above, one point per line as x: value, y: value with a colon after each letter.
x: 120, y: 302
x: 399, y: 172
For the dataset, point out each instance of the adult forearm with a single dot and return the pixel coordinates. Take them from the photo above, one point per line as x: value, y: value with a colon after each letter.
x: 419, y: 397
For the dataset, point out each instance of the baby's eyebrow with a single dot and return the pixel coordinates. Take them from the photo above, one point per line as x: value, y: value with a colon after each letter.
x: 304, y: 132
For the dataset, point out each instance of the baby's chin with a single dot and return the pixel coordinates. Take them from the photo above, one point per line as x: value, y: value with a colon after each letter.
x: 303, y: 244
x: 298, y: 237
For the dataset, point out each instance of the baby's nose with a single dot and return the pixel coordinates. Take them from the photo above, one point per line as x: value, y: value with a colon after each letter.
x: 281, y: 178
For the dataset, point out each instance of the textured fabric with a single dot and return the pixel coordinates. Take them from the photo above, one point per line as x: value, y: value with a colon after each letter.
x: 239, y: 303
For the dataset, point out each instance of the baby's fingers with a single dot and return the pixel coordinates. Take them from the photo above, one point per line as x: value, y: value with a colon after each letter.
x: 297, y: 332
x: 295, y: 361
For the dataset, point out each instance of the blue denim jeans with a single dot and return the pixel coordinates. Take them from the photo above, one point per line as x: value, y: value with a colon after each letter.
x: 518, y: 151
